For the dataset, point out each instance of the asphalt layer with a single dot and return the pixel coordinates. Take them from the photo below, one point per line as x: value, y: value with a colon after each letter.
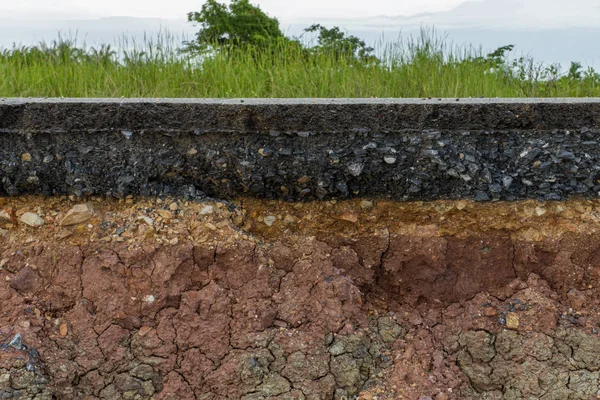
x: 420, y: 149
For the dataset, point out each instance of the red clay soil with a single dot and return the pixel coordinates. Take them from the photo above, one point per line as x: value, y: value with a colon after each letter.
x: 150, y: 299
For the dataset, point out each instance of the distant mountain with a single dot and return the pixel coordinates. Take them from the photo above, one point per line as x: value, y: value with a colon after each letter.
x: 499, y: 14
x: 549, y: 31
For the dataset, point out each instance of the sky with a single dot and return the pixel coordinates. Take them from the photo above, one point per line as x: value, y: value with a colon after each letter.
x: 283, y: 9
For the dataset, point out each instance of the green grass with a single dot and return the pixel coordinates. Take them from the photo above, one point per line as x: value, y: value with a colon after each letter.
x: 425, y: 66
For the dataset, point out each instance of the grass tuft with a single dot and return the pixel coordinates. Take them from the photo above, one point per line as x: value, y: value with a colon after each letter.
x: 423, y: 66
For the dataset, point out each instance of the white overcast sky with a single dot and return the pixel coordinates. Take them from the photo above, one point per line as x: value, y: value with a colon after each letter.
x: 283, y: 9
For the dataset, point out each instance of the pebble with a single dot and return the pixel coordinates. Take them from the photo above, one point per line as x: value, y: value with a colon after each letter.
x: 63, y: 330
x: 366, y: 204
x: 17, y: 341
x: 165, y: 214
x: 206, y: 210
x: 144, y: 330
x: 149, y: 221
x: 192, y: 152
x: 303, y: 179
x: 265, y: 152
x: 149, y: 299
x: 507, y: 181
x: 65, y: 234
x: 270, y: 220
x: 356, y: 169
x: 26, y: 157
x: 31, y: 219
x: 77, y: 215
x: 489, y: 311
x: 389, y: 159
x: 348, y: 216
x: 539, y: 211
x: 512, y: 320
x: 5, y: 216
x: 174, y: 206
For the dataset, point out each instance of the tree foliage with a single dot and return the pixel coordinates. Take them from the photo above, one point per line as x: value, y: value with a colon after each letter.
x: 238, y: 24
x: 243, y: 24
x: 334, y: 42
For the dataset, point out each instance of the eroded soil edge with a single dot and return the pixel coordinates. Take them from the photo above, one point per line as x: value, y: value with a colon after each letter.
x: 151, y: 299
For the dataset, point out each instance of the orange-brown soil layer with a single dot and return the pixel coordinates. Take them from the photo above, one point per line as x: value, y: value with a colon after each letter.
x: 155, y: 299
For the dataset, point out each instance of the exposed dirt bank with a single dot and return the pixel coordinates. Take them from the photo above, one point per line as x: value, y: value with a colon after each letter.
x: 138, y: 299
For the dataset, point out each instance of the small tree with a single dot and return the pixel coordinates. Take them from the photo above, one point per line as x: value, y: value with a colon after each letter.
x: 237, y: 25
x: 334, y: 42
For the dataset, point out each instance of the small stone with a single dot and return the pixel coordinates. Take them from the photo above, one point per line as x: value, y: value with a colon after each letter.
x: 389, y: 159
x: 26, y: 157
x: 144, y: 330
x: 348, y: 216
x: 280, y: 324
x: 128, y: 134
x: 77, y: 215
x: 3, y: 232
x: 31, y: 219
x: 304, y: 179
x: 333, y: 158
x: 65, y: 234
x: 270, y: 220
x: 507, y: 181
x: 265, y: 152
x: 489, y: 311
x: 356, y: 169
x: 48, y: 159
x: 173, y: 206
x: 495, y: 188
x: 5, y: 216
x: 165, y: 214
x: 149, y: 299
x: 539, y: 211
x: 512, y: 320
x: 206, y: 210
x: 366, y: 204
x: 192, y: 152
x: 17, y: 341
x: 147, y: 220
x: 63, y: 330
x: 481, y: 196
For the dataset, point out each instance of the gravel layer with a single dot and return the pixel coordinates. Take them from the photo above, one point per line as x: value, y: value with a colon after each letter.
x: 411, y: 150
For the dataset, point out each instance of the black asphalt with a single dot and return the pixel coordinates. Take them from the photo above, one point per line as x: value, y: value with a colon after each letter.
x: 419, y: 149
